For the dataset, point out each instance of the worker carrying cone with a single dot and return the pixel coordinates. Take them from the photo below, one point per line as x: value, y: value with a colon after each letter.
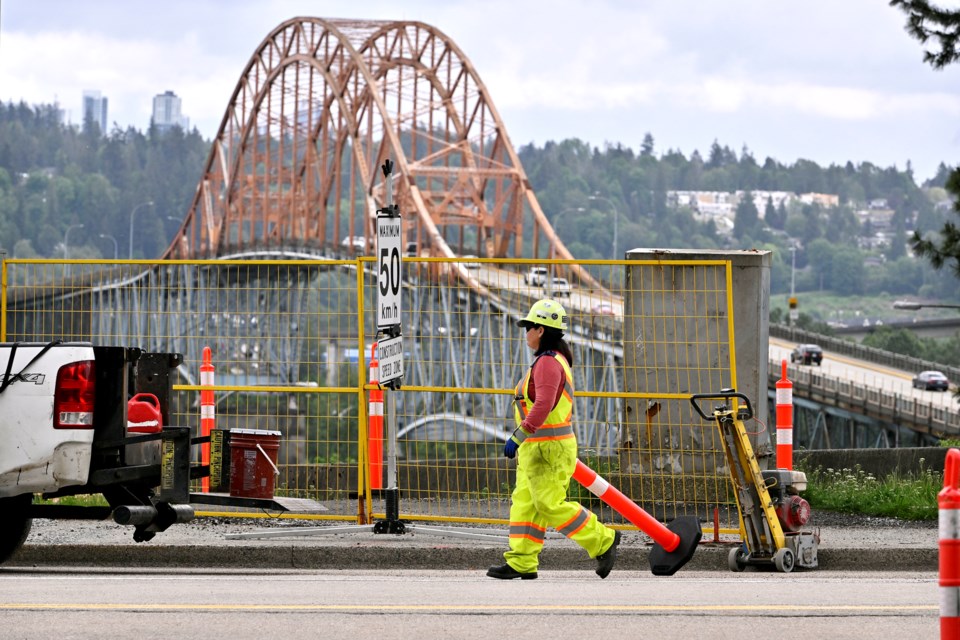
x: 545, y: 447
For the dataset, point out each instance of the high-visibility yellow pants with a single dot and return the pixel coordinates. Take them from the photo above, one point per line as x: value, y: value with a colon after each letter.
x: 540, y: 500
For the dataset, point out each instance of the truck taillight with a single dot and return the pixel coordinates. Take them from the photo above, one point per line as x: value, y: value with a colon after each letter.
x: 74, y: 396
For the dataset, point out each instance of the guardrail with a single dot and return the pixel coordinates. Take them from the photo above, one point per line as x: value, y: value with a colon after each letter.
x: 934, y: 419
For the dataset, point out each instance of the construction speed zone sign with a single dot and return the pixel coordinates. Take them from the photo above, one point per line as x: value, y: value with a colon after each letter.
x: 388, y: 271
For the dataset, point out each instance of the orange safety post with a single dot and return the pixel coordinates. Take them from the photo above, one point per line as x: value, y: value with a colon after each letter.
x: 207, y: 412
x: 784, y: 420
x: 949, y: 503
x: 672, y: 549
x: 375, y: 429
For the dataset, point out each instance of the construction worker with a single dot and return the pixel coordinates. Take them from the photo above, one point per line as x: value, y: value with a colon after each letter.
x: 545, y: 447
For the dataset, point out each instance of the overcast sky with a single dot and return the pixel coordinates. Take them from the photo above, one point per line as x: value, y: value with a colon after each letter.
x: 825, y: 80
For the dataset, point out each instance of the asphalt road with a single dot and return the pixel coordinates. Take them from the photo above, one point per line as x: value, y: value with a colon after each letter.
x: 107, y: 603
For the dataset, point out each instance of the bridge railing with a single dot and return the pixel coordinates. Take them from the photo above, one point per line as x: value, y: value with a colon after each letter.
x: 883, y: 405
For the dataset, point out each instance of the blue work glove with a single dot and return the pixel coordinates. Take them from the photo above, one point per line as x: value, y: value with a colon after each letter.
x: 510, y: 448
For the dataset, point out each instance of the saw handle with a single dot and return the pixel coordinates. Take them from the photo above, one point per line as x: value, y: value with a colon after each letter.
x: 725, y: 394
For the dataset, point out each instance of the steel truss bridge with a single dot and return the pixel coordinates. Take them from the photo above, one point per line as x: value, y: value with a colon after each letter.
x: 285, y: 209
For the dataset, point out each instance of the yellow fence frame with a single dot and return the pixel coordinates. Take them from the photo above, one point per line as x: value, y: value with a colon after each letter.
x: 86, y: 275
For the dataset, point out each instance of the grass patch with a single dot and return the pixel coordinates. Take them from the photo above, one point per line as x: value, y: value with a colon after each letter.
x: 92, y: 500
x: 911, y: 497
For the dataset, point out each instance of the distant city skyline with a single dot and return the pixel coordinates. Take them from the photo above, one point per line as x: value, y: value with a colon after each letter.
x: 167, y: 112
x: 822, y: 81
x: 95, y: 106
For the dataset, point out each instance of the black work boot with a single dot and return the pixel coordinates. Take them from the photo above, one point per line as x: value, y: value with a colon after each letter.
x: 608, y: 558
x: 506, y: 572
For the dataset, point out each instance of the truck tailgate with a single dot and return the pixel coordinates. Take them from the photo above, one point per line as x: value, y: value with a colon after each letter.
x: 34, y: 456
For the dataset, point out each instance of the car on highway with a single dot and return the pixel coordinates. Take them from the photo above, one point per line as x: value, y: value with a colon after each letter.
x: 536, y: 276
x: 931, y: 381
x: 357, y: 243
x: 603, y: 309
x: 560, y: 287
x: 807, y: 354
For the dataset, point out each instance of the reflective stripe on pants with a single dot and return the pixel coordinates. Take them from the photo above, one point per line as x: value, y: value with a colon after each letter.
x: 540, y: 501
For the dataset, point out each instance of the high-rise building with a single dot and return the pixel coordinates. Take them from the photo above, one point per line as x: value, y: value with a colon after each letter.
x: 166, y: 112
x: 95, y: 108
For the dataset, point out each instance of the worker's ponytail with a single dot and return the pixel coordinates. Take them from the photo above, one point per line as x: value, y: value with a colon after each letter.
x: 552, y: 340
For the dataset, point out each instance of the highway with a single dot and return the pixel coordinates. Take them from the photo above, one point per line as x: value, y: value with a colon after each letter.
x: 121, y: 603
x: 865, y: 373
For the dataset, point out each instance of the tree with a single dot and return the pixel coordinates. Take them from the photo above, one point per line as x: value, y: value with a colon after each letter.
x: 847, y: 271
x: 770, y: 215
x: 746, y: 219
x: 895, y: 340
x: 646, y: 147
x: 926, y: 21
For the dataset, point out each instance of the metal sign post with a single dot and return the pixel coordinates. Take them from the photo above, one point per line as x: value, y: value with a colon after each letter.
x: 390, y: 348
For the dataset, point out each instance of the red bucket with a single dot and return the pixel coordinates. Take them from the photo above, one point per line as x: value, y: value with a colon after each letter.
x: 253, y: 462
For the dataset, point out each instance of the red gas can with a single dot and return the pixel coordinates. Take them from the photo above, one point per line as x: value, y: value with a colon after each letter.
x: 143, y: 416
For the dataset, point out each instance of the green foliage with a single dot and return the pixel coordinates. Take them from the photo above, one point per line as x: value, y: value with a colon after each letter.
x: 54, y: 175
x: 906, y: 342
x: 604, y: 466
x: 747, y: 218
x: 568, y: 177
x: 912, y: 497
x: 92, y: 500
x: 927, y: 21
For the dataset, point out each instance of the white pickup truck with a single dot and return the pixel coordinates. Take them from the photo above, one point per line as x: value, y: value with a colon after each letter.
x: 64, y: 431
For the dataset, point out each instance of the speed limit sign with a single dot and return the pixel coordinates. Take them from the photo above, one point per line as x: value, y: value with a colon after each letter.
x: 389, y: 277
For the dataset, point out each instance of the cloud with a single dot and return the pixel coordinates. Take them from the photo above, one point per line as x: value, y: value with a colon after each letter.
x: 600, y: 70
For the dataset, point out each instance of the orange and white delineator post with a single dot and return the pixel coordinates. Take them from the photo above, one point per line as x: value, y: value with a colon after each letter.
x: 375, y: 427
x: 784, y: 420
x: 948, y: 501
x: 207, y: 411
x: 672, y: 549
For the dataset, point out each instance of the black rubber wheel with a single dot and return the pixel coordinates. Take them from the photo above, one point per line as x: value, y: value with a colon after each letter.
x: 737, y: 559
x: 16, y: 524
x: 784, y: 560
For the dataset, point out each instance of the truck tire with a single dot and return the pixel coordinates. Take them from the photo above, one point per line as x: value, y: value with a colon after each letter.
x: 16, y: 524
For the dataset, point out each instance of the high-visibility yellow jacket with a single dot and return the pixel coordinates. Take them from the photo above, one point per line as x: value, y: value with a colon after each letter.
x: 557, y: 425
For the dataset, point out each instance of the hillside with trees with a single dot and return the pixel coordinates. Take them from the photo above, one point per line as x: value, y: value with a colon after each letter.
x: 581, y: 187
x: 54, y: 177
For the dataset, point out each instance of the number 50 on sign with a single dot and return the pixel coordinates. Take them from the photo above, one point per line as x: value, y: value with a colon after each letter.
x: 388, y: 271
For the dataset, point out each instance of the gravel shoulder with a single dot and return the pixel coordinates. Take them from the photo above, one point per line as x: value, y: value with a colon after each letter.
x: 837, y: 531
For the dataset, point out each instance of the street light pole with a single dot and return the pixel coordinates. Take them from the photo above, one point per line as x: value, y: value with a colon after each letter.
x: 107, y: 235
x: 791, y: 310
x: 793, y: 269
x: 66, y: 246
x: 616, y: 216
x: 142, y: 204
